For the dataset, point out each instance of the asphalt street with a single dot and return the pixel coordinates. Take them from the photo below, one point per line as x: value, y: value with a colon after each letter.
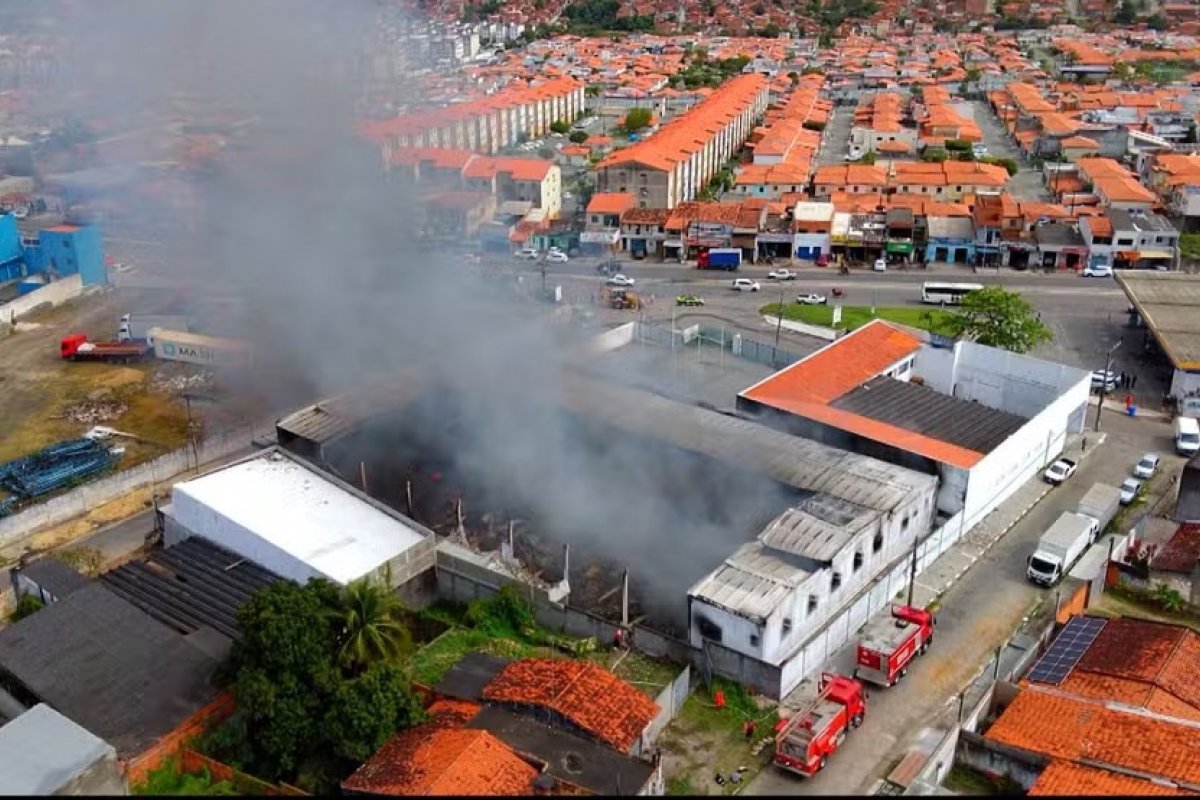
x: 996, y: 586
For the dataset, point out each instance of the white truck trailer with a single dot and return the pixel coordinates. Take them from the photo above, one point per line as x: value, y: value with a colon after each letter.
x: 1100, y: 503
x: 192, y: 348
x: 1060, y: 547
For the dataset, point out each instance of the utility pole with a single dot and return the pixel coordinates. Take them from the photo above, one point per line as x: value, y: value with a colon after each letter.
x: 1104, y: 380
x: 778, y: 328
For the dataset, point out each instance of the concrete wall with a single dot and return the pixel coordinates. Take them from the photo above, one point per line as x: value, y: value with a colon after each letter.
x: 669, y: 700
x: 102, y: 778
x: 819, y: 331
x: 993, y: 758
x: 80, y: 500
x: 53, y: 293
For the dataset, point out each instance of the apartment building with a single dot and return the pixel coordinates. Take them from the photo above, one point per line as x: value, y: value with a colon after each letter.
x: 485, y: 125
x: 674, y: 164
x: 528, y: 180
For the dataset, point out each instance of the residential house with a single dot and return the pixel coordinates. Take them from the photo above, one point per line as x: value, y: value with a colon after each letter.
x: 949, y: 239
x: 948, y: 181
x: 1122, y: 720
x: 880, y: 122
x: 1177, y: 563
x: 526, y: 179
x: 643, y: 231
x: 1117, y: 187
x: 901, y: 224
x: 849, y: 178
x: 677, y: 162
x: 812, y: 227
x: 1060, y: 246
x: 602, y: 227
x: 1097, y: 233
x: 997, y: 218
x: 1176, y: 180
x: 1142, y: 240
x: 1073, y: 148
x: 456, y: 215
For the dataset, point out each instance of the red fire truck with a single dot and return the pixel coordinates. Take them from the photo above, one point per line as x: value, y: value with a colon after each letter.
x: 807, y: 739
x: 890, y: 643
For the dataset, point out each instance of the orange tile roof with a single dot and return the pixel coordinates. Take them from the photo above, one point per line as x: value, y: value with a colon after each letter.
x: 1073, y: 729
x: 441, y: 762
x: 611, y: 203
x: 588, y: 695
x: 1066, y: 779
x: 1101, y: 226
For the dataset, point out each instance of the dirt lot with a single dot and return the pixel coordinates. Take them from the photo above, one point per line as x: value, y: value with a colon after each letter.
x: 44, y: 399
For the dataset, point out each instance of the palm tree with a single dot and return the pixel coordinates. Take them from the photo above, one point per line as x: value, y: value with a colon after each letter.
x: 369, y: 626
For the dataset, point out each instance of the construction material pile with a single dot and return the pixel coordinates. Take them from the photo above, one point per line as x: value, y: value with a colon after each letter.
x: 53, y: 468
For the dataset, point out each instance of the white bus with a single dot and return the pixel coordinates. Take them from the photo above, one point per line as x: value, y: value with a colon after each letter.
x: 947, y: 293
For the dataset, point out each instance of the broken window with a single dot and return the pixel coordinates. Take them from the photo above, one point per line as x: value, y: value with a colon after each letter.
x: 787, y: 625
x: 754, y: 640
x: 812, y: 603
x: 708, y: 629
x: 858, y: 560
x: 835, y: 582
x: 904, y: 523
x: 877, y: 545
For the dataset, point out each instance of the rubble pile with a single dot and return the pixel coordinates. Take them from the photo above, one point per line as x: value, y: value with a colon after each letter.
x: 91, y: 412
x: 176, y: 384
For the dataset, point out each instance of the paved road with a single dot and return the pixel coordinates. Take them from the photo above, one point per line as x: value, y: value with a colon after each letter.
x: 835, y: 140
x: 977, y: 614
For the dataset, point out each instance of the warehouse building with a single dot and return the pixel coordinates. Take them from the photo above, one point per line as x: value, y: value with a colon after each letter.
x: 298, y: 522
x: 1167, y: 304
x: 983, y: 420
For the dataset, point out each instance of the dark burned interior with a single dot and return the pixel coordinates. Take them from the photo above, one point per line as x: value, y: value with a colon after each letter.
x: 620, y: 501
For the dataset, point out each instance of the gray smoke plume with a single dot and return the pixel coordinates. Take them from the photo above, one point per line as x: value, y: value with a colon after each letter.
x: 309, y: 255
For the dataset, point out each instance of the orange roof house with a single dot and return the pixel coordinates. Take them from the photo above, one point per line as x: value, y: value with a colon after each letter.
x: 589, y: 696
x: 611, y: 203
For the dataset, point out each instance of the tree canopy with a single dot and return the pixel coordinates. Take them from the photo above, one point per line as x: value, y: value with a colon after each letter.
x: 317, y: 683
x: 637, y: 118
x: 996, y: 317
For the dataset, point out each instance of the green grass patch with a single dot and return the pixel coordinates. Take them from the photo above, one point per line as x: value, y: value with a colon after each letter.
x: 857, y: 316
x: 431, y: 662
x: 648, y: 675
x: 168, y: 780
x: 1120, y: 601
x: 704, y: 740
x: 680, y: 786
x: 965, y: 780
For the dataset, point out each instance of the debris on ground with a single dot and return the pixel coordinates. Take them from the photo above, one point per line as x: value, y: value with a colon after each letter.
x: 91, y: 412
x: 177, y: 384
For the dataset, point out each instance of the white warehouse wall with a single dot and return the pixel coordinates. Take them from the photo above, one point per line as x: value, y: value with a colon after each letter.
x: 1019, y: 384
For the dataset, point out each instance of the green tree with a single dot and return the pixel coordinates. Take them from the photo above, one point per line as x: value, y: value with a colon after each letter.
x: 369, y: 629
x: 1189, y: 246
x: 636, y: 119
x: 578, y: 137
x: 367, y: 710
x: 1168, y: 598
x: 559, y: 126
x: 1158, y: 22
x: 996, y: 317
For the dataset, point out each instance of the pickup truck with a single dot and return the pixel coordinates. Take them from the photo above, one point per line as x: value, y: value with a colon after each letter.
x: 1059, y: 471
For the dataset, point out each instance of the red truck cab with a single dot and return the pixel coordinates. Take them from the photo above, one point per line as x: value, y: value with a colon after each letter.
x: 813, y: 733
x: 76, y: 347
x: 69, y: 346
x: 889, y: 644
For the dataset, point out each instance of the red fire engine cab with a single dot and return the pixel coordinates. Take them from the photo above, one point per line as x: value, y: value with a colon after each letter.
x: 807, y: 739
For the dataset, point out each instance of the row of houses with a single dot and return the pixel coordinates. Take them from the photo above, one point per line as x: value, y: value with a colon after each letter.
x: 984, y: 229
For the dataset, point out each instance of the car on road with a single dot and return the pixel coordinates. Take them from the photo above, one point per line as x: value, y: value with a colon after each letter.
x: 782, y: 275
x: 879, y: 266
x: 527, y: 254
x: 620, y: 280
x: 812, y: 299
x: 979, y: 150
x: 689, y: 300
x: 1129, y: 490
x: 855, y: 154
x: 1147, y: 466
x: 1059, y: 471
x: 558, y: 257
x: 1097, y: 271
x: 1106, y: 379
x: 744, y: 285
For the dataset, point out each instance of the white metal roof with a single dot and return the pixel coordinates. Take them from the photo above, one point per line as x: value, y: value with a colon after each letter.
x: 297, y: 510
x: 751, y: 583
x: 42, y: 751
x: 819, y: 527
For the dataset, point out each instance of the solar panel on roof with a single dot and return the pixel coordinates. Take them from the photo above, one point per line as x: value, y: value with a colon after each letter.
x: 1065, y: 652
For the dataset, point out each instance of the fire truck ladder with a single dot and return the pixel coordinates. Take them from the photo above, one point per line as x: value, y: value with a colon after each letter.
x: 798, y: 718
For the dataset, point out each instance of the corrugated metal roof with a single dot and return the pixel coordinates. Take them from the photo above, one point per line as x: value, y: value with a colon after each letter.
x: 337, y: 416
x: 819, y: 528
x: 752, y: 582
x: 795, y: 462
x: 920, y: 409
x: 1169, y: 303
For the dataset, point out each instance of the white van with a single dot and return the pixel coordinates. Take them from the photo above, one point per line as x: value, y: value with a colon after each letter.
x: 1187, y: 435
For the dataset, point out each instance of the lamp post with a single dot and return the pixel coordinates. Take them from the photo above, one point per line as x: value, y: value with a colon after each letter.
x: 1104, y: 380
x: 778, y: 328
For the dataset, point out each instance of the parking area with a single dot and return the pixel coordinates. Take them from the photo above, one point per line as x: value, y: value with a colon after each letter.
x: 1026, y: 184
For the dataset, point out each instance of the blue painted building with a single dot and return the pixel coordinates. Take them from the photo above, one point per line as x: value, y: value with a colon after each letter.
x: 12, y: 257
x: 950, y: 240
x: 68, y: 249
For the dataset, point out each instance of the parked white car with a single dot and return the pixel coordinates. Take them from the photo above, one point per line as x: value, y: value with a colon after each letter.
x: 1147, y: 466
x: 1129, y: 490
x: 620, y: 280
x: 1059, y: 471
x: 782, y: 275
x: 1098, y: 271
x: 812, y: 299
x: 557, y: 256
x: 880, y: 265
x: 527, y: 254
x: 855, y: 154
x: 744, y: 285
